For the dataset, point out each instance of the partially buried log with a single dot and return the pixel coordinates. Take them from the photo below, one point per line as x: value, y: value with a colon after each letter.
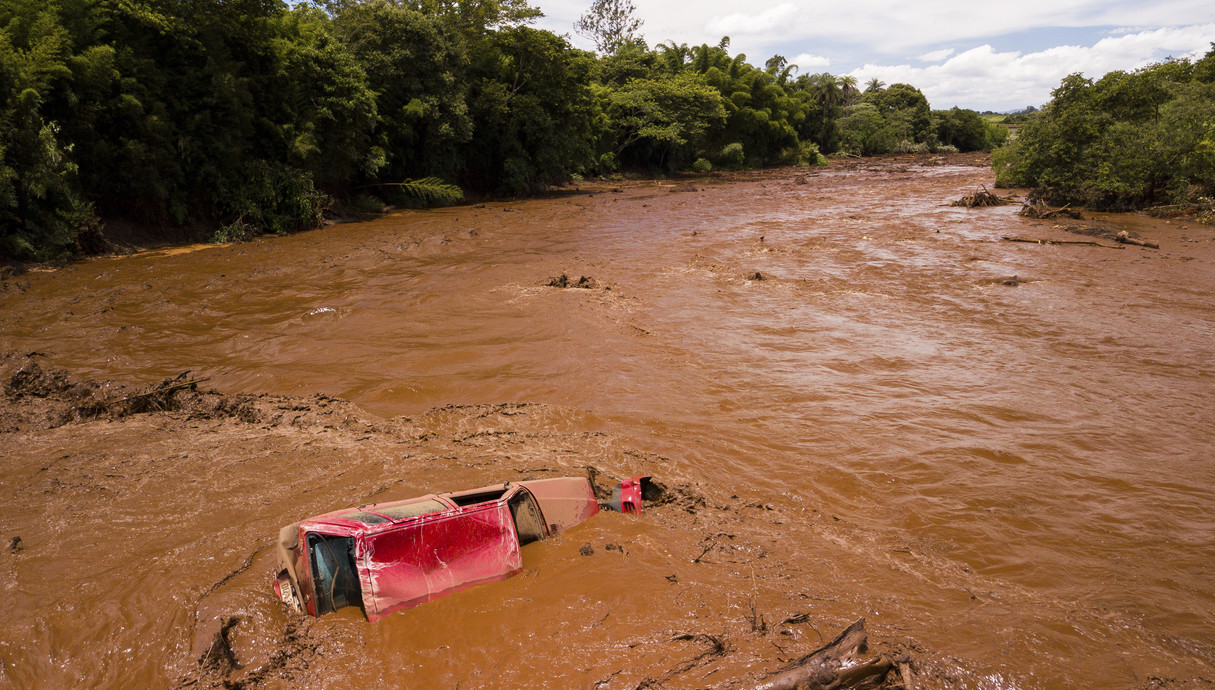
x: 1027, y: 240
x: 841, y: 664
x: 1125, y: 238
x: 981, y: 199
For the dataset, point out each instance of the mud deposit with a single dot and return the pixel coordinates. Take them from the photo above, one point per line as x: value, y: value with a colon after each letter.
x: 865, y: 402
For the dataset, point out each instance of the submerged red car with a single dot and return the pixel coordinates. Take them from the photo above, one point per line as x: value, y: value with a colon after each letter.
x: 384, y: 557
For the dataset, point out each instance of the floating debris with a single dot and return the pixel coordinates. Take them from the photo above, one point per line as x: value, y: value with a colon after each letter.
x: 1044, y: 212
x: 564, y: 281
x: 1202, y: 211
x: 845, y: 663
x: 982, y: 198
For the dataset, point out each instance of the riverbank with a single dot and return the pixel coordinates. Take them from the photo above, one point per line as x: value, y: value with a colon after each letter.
x: 118, y: 237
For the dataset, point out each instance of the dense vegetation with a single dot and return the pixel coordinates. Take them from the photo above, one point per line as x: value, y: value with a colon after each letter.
x: 1128, y: 140
x: 254, y: 116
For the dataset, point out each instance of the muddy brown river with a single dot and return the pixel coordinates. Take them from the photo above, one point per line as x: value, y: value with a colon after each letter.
x: 1000, y: 454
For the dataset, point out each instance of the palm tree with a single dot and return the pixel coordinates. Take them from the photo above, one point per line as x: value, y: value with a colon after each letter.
x: 848, y: 90
x: 826, y: 91
x: 874, y: 85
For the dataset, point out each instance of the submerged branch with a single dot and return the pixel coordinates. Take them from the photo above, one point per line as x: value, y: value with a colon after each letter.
x: 1026, y: 240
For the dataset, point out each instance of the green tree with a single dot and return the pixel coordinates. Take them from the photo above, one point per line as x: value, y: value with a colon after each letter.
x: 665, y: 117
x: 1125, y: 141
x: 825, y: 89
x: 610, y: 24
x: 864, y: 132
x: 964, y: 129
x: 779, y: 69
x: 760, y: 113
x: 41, y: 210
x: 415, y: 64
x: 906, y: 111
x: 849, y: 93
x: 327, y: 110
x: 532, y: 112
x: 468, y: 17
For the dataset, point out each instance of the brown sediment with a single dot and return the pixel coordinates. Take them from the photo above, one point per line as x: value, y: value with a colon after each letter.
x: 994, y: 453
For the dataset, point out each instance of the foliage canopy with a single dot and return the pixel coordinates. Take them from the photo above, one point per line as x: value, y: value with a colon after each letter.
x: 256, y: 116
x: 1127, y: 140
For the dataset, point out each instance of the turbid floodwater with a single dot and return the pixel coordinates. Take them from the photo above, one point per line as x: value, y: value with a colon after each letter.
x: 870, y: 405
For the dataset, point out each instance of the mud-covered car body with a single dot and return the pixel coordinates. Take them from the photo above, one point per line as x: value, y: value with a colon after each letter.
x: 391, y: 556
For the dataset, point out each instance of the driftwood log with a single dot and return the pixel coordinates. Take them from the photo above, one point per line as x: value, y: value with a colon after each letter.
x: 1027, y: 240
x: 839, y: 665
x: 1125, y: 238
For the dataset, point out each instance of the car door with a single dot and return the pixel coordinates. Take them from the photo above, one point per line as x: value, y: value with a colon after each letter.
x: 436, y: 555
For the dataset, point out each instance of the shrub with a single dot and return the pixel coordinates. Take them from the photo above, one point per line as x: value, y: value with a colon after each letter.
x: 608, y: 164
x: 366, y: 203
x: 811, y: 155
x: 236, y: 231
x: 731, y: 156
x: 702, y: 166
x: 272, y: 197
x: 906, y: 146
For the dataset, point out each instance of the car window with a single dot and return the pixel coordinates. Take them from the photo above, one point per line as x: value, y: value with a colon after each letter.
x: 529, y: 523
x: 335, y: 579
x: 473, y: 499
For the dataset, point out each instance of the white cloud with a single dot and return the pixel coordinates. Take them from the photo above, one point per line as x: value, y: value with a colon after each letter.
x: 937, y: 55
x: 877, y: 27
x: 806, y: 62
x: 881, y: 31
x: 740, y: 23
x: 983, y: 78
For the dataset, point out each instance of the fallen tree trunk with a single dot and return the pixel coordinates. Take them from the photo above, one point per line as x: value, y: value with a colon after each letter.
x: 1125, y: 238
x: 837, y: 666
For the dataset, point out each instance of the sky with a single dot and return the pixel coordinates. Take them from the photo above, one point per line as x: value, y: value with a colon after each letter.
x: 997, y: 56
